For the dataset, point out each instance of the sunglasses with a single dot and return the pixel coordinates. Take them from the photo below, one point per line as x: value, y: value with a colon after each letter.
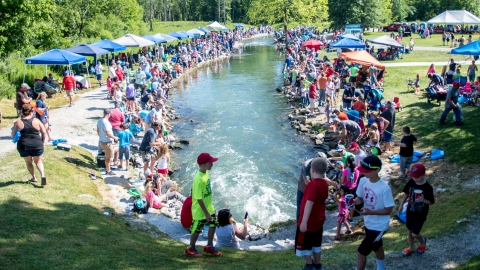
x: 368, y: 166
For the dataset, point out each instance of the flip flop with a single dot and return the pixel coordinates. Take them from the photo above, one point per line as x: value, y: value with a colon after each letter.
x: 406, y: 252
x: 33, y: 180
x: 421, y: 249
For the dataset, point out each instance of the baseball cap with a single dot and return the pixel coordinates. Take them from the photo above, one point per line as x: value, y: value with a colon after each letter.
x: 66, y: 72
x: 340, y: 148
x: 106, y: 111
x: 456, y: 84
x: 417, y: 170
x: 369, y: 164
x: 205, y: 158
x: 352, y: 146
x: 24, y: 85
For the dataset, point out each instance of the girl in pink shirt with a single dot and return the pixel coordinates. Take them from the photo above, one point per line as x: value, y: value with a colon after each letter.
x: 342, y: 211
x: 152, y: 199
x: 431, y: 69
x: 109, y: 86
x: 350, y: 178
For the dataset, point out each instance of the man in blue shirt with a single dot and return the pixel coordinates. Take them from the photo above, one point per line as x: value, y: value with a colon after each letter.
x: 452, y: 104
x: 348, y: 97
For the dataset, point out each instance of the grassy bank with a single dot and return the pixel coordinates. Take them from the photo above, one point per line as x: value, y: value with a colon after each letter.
x: 63, y: 226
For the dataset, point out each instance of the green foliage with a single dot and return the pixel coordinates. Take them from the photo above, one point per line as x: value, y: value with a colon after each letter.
x: 401, y: 9
x: 367, y: 12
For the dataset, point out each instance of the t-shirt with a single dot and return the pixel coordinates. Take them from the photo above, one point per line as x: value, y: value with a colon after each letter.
x: 407, y: 151
x: 373, y: 71
x: 350, y: 126
x: 359, y: 106
x: 317, y: 192
x: 154, y: 113
x: 351, y: 178
x: 381, y: 124
x: 322, y: 82
x: 21, y: 95
x: 353, y: 71
x: 116, y: 118
x: 353, y: 115
x: 418, y: 210
x: 452, y: 94
x: 68, y: 82
x: 41, y: 105
x: 156, y: 201
x: 376, y: 196
x: 342, y: 116
x: 342, y: 206
x: 389, y: 115
x: 345, y: 156
x: 349, y: 94
x: 201, y: 190
x: 124, y: 137
x: 304, y: 172
x: 312, y: 91
x: 359, y: 157
x: 103, y: 127
x: 130, y: 92
x: 149, y: 136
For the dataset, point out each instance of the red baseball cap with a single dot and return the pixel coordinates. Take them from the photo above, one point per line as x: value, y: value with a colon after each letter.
x: 417, y: 171
x: 370, y: 164
x: 205, y: 158
x: 352, y: 146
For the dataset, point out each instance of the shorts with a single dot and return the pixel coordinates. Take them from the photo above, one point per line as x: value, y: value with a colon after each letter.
x: 353, y: 79
x: 341, y: 218
x: 405, y: 163
x: 308, y: 242
x: 387, y: 136
x: 69, y: 93
x: 124, y: 151
x: 354, y: 135
x: 99, y: 77
x: 146, y: 156
x: 131, y: 98
x: 197, y: 225
x: 163, y: 171
x: 369, y: 244
x: 312, y: 103
x: 30, y: 153
x: 108, y: 148
x: 443, y: 39
x: 413, y: 224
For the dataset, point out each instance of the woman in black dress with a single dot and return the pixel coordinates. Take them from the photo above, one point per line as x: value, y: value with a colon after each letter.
x: 31, y: 143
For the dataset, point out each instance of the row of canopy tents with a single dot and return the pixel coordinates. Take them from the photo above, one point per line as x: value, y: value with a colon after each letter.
x: 78, y: 53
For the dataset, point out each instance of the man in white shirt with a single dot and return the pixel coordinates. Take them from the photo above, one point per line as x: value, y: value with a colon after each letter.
x: 359, y: 153
x: 111, y: 71
x: 377, y: 197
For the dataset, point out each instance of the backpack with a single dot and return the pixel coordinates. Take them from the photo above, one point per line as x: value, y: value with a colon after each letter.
x: 140, y: 206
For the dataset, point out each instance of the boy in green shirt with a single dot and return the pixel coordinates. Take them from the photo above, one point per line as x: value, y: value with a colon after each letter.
x: 203, y: 212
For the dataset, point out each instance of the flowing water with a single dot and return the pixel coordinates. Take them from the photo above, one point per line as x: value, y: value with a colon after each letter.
x: 240, y: 118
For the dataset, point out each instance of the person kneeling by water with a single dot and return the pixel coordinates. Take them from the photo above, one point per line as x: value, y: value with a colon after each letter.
x: 227, y: 231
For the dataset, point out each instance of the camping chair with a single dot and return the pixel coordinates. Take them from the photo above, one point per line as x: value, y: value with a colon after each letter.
x: 463, y: 80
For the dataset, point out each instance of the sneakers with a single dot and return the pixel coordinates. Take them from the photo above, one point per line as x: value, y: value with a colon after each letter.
x: 308, y: 267
x: 212, y: 250
x: 110, y: 173
x: 44, y: 181
x: 192, y: 252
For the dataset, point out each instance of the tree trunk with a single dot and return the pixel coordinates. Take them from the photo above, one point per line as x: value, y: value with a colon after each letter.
x: 151, y: 15
x: 164, y: 10
x: 285, y: 26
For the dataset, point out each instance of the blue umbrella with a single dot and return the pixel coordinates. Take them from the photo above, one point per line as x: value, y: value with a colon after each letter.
x: 109, y: 45
x: 155, y: 39
x: 178, y: 35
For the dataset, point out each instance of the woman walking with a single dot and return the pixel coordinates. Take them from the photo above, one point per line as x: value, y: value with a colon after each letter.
x: 32, y: 139
x: 41, y: 111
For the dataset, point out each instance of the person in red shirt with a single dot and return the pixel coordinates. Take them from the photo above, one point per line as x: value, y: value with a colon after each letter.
x: 308, y: 238
x: 322, y: 85
x: 68, y: 84
x: 116, y: 119
x: 359, y: 105
x: 312, y: 95
x: 329, y: 70
x: 119, y: 73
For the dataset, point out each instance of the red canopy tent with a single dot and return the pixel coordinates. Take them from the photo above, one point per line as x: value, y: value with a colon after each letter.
x: 313, y: 44
x: 363, y: 58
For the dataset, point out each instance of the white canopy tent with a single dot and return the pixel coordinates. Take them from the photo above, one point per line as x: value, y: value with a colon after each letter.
x: 455, y: 17
x: 130, y: 40
x: 195, y: 32
x: 216, y: 26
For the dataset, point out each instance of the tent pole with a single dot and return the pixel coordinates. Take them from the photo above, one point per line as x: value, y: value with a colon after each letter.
x: 46, y: 70
x: 88, y: 74
x: 24, y: 71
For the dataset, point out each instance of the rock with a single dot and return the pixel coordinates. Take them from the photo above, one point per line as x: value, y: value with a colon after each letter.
x: 171, y: 116
x: 312, y: 136
x: 440, y: 190
x: 325, y: 147
x: 184, y: 142
x: 318, y: 142
x: 303, y: 120
x: 177, y: 116
x: 297, y: 127
x: 172, y: 111
x: 463, y: 220
x: 175, y: 146
x: 303, y: 128
x: 168, y: 212
x: 320, y: 136
x: 291, y: 117
x: 332, y: 144
x: 278, y: 89
x: 191, y: 121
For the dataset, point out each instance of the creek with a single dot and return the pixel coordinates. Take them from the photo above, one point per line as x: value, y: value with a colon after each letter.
x: 240, y: 118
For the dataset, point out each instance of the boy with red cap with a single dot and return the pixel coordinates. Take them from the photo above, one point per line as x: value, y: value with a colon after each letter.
x: 377, y: 197
x: 419, y: 194
x: 203, y: 212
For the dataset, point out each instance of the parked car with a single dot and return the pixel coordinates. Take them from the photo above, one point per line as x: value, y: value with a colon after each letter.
x: 392, y: 27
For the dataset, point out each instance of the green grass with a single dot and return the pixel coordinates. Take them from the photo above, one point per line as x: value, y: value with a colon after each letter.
x: 473, y: 263
x: 434, y: 41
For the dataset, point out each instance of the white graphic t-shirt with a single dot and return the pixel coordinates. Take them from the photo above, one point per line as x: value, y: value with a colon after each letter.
x: 376, y: 196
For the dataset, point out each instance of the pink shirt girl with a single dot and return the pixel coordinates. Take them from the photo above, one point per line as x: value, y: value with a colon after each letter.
x: 351, y: 184
x: 156, y: 202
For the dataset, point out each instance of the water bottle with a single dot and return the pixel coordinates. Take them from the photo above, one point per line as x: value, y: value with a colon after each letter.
x: 205, y: 231
x: 16, y: 137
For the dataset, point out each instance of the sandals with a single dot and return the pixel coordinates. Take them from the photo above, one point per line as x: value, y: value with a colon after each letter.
x: 33, y: 180
x: 406, y: 252
x: 421, y: 249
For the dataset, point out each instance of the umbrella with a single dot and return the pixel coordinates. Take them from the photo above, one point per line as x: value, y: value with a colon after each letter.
x: 87, y: 50
x: 165, y: 37
x: 155, y: 39
x: 312, y: 44
x: 130, y: 40
x: 178, y: 35
x: 109, y: 45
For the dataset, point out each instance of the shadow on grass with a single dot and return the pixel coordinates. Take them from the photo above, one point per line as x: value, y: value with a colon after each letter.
x: 80, y: 163
x: 458, y: 142
x: 12, y: 182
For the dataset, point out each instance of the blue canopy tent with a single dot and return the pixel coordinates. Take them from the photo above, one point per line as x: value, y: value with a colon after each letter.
x: 88, y: 50
x: 155, y: 39
x: 54, y: 57
x: 109, y: 46
x: 347, y: 43
x: 349, y: 36
x: 178, y: 35
x: 189, y: 35
x: 204, y: 30
x: 239, y: 25
x: 468, y: 49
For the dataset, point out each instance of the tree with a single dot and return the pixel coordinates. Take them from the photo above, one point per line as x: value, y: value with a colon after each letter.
x: 401, y: 9
x: 366, y: 12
